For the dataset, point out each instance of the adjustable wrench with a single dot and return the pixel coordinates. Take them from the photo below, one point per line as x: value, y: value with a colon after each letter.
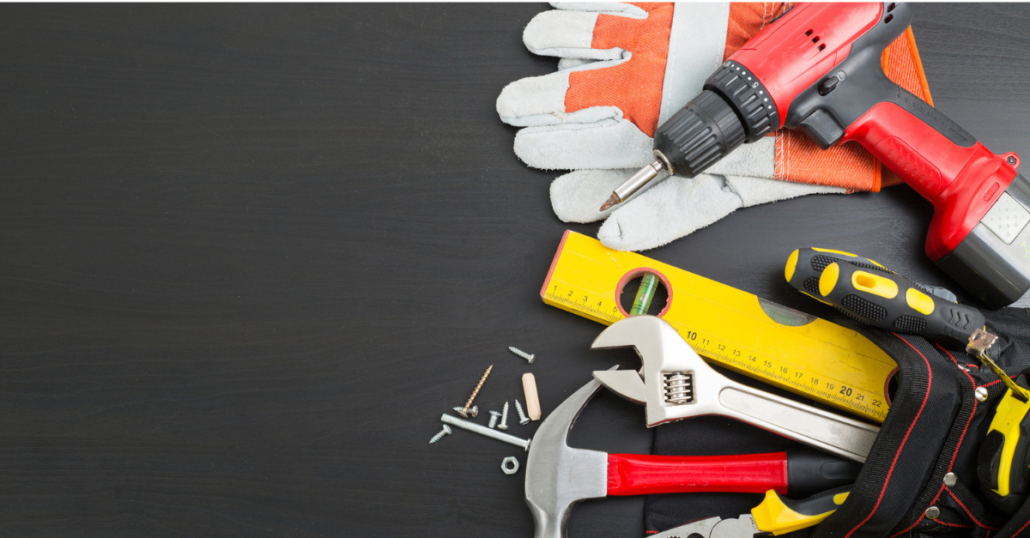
x: 675, y: 383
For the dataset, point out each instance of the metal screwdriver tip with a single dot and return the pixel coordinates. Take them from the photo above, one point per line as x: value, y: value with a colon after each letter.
x: 612, y: 201
x: 634, y: 183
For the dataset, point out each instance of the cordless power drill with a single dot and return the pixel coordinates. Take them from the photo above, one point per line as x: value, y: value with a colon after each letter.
x: 817, y: 67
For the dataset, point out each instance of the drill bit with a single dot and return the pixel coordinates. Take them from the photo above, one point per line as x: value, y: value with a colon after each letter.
x: 464, y: 410
x: 634, y: 183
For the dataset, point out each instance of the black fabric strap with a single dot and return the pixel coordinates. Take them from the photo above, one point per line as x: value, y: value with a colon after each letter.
x: 903, y: 458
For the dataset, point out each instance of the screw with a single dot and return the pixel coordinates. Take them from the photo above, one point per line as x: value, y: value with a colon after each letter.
x: 529, y: 357
x: 950, y: 479
x: 932, y: 512
x: 483, y: 430
x: 494, y: 415
x: 464, y: 410
x: 445, y: 431
x: 472, y: 412
x: 504, y: 418
x: 1012, y: 160
x: 981, y: 394
x: 523, y: 419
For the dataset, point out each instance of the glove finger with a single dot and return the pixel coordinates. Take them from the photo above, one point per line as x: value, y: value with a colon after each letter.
x: 672, y: 209
x: 541, y: 100
x: 607, y: 144
x: 755, y: 191
x: 565, y: 34
x: 569, y: 63
x: 577, y: 196
x: 613, y: 8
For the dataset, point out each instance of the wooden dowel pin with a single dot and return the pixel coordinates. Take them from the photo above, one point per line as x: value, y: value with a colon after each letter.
x: 532, y: 400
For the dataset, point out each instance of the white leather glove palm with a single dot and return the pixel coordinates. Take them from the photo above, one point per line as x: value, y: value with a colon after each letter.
x: 596, y: 115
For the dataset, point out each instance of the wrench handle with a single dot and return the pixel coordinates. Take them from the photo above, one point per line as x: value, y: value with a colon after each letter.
x: 814, y: 427
x: 638, y: 474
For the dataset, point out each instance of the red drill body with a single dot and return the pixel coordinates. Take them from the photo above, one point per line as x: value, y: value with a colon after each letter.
x: 817, y: 68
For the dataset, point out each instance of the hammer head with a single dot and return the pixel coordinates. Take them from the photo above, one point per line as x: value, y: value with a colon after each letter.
x: 559, y: 476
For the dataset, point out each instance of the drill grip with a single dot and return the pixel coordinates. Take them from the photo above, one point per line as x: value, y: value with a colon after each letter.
x: 962, y: 183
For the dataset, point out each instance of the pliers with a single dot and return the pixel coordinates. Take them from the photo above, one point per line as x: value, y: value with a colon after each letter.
x: 773, y: 516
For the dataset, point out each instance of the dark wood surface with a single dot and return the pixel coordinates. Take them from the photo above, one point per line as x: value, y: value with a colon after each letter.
x: 249, y: 254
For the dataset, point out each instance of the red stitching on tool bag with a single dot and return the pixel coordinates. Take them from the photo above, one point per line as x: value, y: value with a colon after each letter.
x: 929, y: 383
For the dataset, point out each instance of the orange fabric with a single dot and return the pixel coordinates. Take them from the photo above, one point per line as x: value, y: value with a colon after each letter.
x: 635, y: 86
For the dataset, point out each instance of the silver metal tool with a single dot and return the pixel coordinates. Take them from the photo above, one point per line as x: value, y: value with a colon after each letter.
x: 675, y: 383
x: 494, y: 415
x: 559, y: 476
x: 715, y: 527
x: 483, y: 430
x: 636, y: 182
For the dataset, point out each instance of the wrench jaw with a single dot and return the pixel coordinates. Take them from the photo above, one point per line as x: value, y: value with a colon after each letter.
x: 667, y: 363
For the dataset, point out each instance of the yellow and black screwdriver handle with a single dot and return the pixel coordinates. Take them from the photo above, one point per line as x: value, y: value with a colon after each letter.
x: 872, y: 294
x: 805, y: 266
x: 777, y: 515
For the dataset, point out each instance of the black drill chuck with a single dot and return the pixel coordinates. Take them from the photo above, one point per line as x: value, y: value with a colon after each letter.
x: 699, y: 134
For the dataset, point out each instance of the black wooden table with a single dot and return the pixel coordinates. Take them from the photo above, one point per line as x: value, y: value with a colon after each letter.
x: 249, y: 254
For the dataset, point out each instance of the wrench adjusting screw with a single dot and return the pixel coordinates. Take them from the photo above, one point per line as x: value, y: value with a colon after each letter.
x: 504, y: 418
x: 679, y: 387
x: 445, y: 431
x: 494, y: 415
x: 464, y: 410
x: 523, y: 419
x: 528, y: 356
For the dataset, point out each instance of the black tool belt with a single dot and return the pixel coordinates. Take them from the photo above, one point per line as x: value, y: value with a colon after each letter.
x: 921, y: 475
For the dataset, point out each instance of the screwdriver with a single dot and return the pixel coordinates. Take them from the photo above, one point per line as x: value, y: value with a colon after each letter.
x: 869, y: 292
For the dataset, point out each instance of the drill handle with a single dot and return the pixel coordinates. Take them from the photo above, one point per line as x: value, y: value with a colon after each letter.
x: 962, y: 182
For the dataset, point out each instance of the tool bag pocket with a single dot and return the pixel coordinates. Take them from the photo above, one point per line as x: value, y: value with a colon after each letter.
x: 921, y: 475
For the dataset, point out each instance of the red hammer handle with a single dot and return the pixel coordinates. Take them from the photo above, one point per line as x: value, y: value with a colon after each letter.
x: 635, y: 474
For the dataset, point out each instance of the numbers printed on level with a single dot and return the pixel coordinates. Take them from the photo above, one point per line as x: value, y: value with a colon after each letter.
x: 733, y: 358
x: 728, y: 327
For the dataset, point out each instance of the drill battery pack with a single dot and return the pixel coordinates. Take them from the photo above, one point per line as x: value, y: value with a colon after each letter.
x: 993, y: 261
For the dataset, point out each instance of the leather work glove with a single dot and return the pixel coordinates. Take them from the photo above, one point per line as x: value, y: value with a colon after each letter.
x: 623, y: 70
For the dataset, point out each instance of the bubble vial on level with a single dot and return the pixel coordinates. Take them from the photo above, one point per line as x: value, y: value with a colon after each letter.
x: 648, y: 285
